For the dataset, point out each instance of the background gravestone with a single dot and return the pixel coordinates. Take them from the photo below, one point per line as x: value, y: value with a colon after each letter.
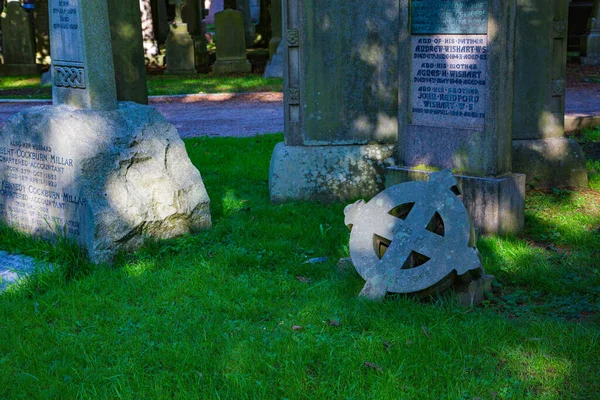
x: 590, y: 42
x: 456, y: 70
x: 18, y: 41
x: 42, y: 32
x: 128, y: 50
x: 274, y: 67
x: 180, y: 47
x: 540, y: 149
x: 231, y: 44
x: 243, y: 6
x: 192, y: 14
x: 107, y: 174
x: 341, y: 99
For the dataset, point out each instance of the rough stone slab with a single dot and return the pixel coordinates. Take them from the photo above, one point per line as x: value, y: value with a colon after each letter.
x: 328, y: 173
x: 14, y: 267
x: 109, y: 179
x: 550, y: 162
x: 496, y: 205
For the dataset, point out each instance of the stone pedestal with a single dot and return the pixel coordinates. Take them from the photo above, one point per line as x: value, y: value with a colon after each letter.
x: 18, y: 42
x: 180, y: 51
x: 590, y: 43
x: 496, y: 205
x: 231, y: 47
x: 341, y: 100
x: 540, y: 150
x: 328, y: 173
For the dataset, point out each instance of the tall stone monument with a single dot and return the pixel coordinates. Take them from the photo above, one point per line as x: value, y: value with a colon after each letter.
x: 18, y: 41
x: 590, y: 43
x: 456, y: 104
x: 540, y: 149
x: 128, y: 50
x: 180, y: 46
x: 231, y: 44
x: 108, y: 175
x: 341, y: 99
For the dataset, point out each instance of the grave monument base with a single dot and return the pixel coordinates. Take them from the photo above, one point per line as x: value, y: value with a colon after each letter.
x: 328, y: 173
x: 547, y: 163
x: 231, y: 66
x: 107, y: 179
x: 20, y: 69
x: 496, y: 204
x: 591, y: 49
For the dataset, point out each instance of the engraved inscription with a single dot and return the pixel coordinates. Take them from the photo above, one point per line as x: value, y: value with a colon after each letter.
x: 69, y: 77
x: 449, y: 17
x: 66, y: 33
x: 33, y: 197
x: 448, y: 82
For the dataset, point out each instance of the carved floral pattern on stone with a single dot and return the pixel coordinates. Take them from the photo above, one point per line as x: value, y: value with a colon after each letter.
x: 560, y: 29
x: 293, y: 37
x: 557, y: 88
x: 294, y: 96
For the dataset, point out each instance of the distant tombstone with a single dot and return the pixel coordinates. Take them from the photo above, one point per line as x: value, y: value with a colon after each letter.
x: 590, y: 42
x: 540, y: 149
x: 192, y: 15
x: 341, y: 99
x: 108, y: 175
x: 152, y: 55
x: 180, y: 47
x: 274, y: 67
x: 128, y: 50
x: 414, y: 237
x: 18, y: 41
x: 456, y: 82
x: 161, y: 20
x: 231, y: 45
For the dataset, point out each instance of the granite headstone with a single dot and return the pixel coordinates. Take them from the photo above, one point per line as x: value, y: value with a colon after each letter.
x: 231, y: 47
x: 18, y: 41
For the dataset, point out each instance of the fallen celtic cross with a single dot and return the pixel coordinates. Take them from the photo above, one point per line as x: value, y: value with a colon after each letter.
x: 415, y: 237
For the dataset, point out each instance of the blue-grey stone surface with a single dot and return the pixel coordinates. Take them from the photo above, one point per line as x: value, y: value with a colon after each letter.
x: 14, y: 267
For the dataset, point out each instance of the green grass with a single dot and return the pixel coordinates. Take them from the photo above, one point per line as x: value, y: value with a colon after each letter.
x: 158, y: 85
x: 212, y: 316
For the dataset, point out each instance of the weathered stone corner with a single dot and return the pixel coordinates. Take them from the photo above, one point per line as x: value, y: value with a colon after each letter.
x: 109, y: 179
x: 328, y: 173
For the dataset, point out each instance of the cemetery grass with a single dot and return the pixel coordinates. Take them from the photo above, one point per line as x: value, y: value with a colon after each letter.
x: 28, y: 87
x: 252, y: 309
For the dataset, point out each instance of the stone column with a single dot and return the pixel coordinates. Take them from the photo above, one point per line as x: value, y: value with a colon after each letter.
x: 590, y: 43
x: 540, y: 149
x: 82, y: 62
x: 231, y: 47
x: 276, y: 27
x: 152, y: 54
x: 161, y: 20
x: 42, y: 32
x: 128, y: 50
x: 341, y: 99
x: 18, y: 41
x: 180, y: 47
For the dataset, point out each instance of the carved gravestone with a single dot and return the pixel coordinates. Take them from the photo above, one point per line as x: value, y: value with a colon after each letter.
x: 414, y: 237
x: 107, y: 174
x: 18, y: 41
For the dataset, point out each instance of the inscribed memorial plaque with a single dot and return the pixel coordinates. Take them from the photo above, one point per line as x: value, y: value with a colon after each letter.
x: 67, y: 44
x: 448, y: 82
x: 449, y: 17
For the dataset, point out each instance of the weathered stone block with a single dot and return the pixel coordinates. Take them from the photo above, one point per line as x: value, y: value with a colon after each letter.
x: 108, y: 179
x: 496, y: 204
x: 231, y: 47
x: 558, y: 162
x: 180, y: 51
x: 328, y: 173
